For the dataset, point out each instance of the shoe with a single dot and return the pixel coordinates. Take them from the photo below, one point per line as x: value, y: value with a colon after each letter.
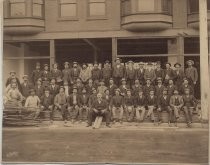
x: 65, y: 121
x: 88, y: 125
x: 107, y: 125
x: 121, y: 122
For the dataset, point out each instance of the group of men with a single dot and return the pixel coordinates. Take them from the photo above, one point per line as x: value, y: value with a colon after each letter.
x: 83, y: 93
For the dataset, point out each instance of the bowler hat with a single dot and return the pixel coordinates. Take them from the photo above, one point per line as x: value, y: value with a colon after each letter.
x: 66, y: 63
x: 190, y: 61
x: 117, y: 59
x: 123, y: 79
x: 25, y: 76
x: 168, y: 63
x: 45, y: 65
x: 107, y: 62
x: 141, y: 63
x: 177, y: 64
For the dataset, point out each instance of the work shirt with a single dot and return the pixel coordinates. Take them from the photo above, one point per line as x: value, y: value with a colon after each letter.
x: 117, y: 101
x: 32, y: 101
x: 99, y: 105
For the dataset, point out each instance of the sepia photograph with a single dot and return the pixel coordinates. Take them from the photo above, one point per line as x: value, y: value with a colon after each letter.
x: 105, y: 81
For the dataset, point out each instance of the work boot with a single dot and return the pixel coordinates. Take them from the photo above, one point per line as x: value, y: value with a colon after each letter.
x: 108, y: 125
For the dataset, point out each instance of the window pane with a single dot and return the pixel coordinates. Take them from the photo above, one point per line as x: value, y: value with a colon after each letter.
x: 18, y: 9
x: 37, y: 10
x: 68, y: 10
x: 97, y: 9
x: 126, y: 7
x: 146, y: 5
x: 194, y: 6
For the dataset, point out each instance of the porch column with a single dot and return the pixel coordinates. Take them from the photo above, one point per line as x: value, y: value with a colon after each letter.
x: 95, y: 55
x: 52, y: 52
x: 204, y: 61
x: 114, y: 50
x: 23, y: 52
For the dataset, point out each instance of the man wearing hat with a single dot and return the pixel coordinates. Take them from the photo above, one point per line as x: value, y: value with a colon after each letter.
x: 74, y: 73
x: 32, y: 104
x: 60, y: 103
x: 178, y: 75
x: 101, y: 88
x: 83, y: 111
x: 123, y: 87
x: 136, y: 87
x: 111, y: 87
x: 164, y: 105
x: 92, y: 97
x: 189, y: 104
x: 159, y: 87
x: 79, y: 85
x: 57, y: 74
x: 73, y: 104
x: 66, y: 72
x: 39, y: 88
x: 85, y: 74
x: 176, y: 103
x: 129, y: 103
x: 171, y: 87
x: 116, y: 105
x: 130, y: 73
x: 140, y: 104
x: 118, y: 72
x: 11, y: 78
x: 150, y: 73
x: 140, y: 73
x: 106, y: 72
x: 148, y: 87
x: 168, y: 73
x: 36, y: 73
x: 191, y: 73
x: 54, y: 88
x: 90, y: 86
x: 186, y: 85
x: 25, y: 86
x: 46, y: 101
x: 159, y: 72
x: 46, y: 76
x: 152, y: 102
x: 96, y: 74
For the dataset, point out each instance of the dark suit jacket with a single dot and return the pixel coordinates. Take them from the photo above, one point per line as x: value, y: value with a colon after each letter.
x: 47, y: 101
x: 140, y: 101
x: 25, y: 89
x: 54, y: 91
x: 118, y: 72
x: 163, y: 102
x: 140, y: 75
x: 84, y: 99
x: 130, y: 74
x: 70, y: 100
x: 39, y: 91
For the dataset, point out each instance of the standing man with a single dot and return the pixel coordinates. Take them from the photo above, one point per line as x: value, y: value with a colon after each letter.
x: 111, y: 87
x: 168, y: 73
x: 176, y: 103
x: 130, y: 73
x: 39, y: 89
x: 140, y: 73
x: 66, y: 72
x: 159, y: 87
x: 54, y: 88
x: 25, y: 86
x: 99, y: 108
x: 85, y: 74
x: 124, y: 87
x: 159, y: 72
x: 74, y: 73
x: 96, y: 74
x: 148, y: 87
x: 178, y: 75
x: 118, y: 72
x: 14, y: 79
x: 46, y: 76
x: 83, y: 111
x: 107, y: 72
x: 57, y: 74
x: 36, y: 73
x: 116, y: 105
x: 150, y: 73
x: 191, y: 73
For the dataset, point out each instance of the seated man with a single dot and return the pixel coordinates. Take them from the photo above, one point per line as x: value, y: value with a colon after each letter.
x: 152, y: 105
x: 129, y: 106
x: 32, y: 104
x: 13, y: 96
x: 47, y: 102
x: 189, y: 105
x: 83, y: 111
x: 116, y: 106
x: 73, y: 105
x: 60, y: 102
x: 99, y: 108
x: 176, y: 103
x: 163, y: 105
x: 140, y: 103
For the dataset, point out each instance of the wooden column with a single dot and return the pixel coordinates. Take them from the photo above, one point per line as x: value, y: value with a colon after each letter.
x: 52, y: 52
x: 114, y: 50
x: 180, y: 46
x: 204, y: 65
x: 95, y: 55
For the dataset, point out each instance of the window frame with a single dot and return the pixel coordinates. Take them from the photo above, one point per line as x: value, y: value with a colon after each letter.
x: 70, y: 18
x: 96, y: 17
x: 16, y: 2
x: 42, y: 9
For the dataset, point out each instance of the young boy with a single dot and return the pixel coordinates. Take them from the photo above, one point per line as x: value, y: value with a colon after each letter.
x: 116, y: 106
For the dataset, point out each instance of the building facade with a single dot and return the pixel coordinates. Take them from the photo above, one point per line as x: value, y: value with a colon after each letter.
x: 51, y: 31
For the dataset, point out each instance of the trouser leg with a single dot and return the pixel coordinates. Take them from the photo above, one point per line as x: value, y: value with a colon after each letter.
x: 169, y: 114
x: 186, y: 114
x: 64, y: 112
x: 142, y: 113
x: 107, y: 117
x: 114, y: 113
x: 159, y: 114
x: 138, y: 113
